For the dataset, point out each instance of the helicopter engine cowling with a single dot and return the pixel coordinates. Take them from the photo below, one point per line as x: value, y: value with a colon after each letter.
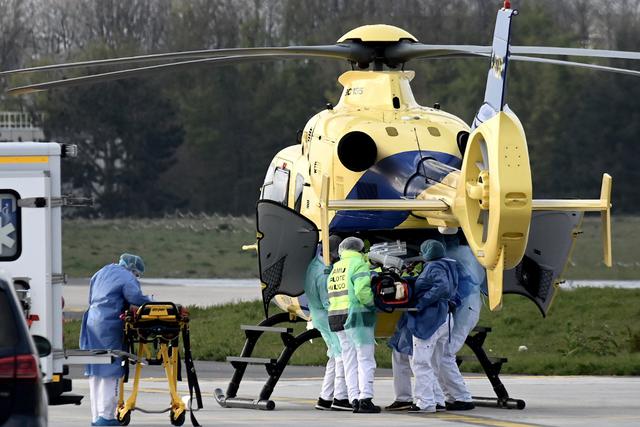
x: 357, y: 151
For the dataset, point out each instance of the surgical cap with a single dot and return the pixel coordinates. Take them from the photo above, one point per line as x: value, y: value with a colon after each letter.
x: 351, y: 244
x: 132, y: 263
x: 432, y: 249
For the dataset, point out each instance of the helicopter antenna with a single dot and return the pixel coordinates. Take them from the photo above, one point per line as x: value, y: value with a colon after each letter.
x: 424, y: 169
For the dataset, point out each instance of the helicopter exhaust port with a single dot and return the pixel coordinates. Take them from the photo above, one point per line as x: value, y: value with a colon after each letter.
x: 357, y: 151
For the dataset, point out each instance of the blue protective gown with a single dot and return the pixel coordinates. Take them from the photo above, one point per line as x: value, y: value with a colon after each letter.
x: 402, y: 340
x: 315, y: 288
x: 472, y: 276
x: 469, y: 267
x: 112, y: 289
x: 433, y: 289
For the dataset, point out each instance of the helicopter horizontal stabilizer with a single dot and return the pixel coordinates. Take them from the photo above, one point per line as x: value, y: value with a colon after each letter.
x: 602, y: 205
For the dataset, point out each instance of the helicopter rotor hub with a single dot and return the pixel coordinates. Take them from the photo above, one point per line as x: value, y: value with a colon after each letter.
x: 479, y: 189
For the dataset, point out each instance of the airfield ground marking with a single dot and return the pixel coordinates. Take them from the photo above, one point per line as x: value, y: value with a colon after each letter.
x: 482, y: 421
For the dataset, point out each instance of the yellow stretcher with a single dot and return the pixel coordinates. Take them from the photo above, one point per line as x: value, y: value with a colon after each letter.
x: 155, y: 330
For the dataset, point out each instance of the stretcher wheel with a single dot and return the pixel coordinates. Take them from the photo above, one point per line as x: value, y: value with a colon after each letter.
x: 177, y: 421
x: 125, y: 419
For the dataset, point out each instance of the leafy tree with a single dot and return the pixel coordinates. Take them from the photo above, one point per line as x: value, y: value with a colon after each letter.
x: 127, y: 133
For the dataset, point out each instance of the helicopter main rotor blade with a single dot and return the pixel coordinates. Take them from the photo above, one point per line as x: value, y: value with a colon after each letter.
x: 347, y: 51
x: 403, y: 52
x: 550, y: 61
x: 574, y: 64
x: 142, y: 71
x: 571, y: 51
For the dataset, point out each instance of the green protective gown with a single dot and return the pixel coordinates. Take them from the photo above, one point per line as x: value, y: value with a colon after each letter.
x: 315, y: 287
x: 361, y: 321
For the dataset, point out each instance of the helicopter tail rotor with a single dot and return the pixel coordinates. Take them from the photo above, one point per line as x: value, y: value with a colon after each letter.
x: 493, y: 202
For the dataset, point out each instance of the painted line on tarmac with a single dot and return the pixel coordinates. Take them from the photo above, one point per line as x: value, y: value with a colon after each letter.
x: 162, y: 390
x: 481, y: 421
x: 300, y: 400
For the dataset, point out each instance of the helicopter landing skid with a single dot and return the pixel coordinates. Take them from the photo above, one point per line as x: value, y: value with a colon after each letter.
x: 274, y: 367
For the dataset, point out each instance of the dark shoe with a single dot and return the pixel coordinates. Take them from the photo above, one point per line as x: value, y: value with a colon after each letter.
x: 417, y: 410
x: 460, y: 406
x: 355, y: 405
x: 399, y: 406
x: 341, y: 405
x: 367, y: 407
x: 323, y: 405
x: 441, y: 408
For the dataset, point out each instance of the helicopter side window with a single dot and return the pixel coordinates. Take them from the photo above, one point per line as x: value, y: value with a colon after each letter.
x: 298, y: 192
x: 276, y: 189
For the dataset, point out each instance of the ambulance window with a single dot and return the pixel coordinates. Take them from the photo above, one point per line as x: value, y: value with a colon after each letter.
x: 278, y: 189
x: 9, y: 226
x: 298, y: 192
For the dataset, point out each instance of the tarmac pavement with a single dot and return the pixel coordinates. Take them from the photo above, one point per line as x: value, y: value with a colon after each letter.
x: 551, y: 401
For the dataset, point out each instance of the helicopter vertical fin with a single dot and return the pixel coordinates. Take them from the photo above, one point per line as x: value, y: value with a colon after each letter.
x: 605, y: 214
x: 494, y: 95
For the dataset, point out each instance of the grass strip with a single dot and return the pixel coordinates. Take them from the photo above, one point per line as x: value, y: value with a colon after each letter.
x: 210, y: 246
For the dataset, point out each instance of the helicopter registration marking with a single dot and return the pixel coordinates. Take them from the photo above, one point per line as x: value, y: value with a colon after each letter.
x: 354, y: 91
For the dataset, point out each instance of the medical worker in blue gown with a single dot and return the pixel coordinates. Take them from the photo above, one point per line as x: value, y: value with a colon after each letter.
x: 472, y: 276
x: 113, y: 288
x: 420, y: 336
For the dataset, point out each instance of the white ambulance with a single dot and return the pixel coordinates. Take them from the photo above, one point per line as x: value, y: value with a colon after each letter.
x: 31, y: 251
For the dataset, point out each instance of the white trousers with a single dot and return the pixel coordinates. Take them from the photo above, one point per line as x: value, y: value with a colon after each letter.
x: 401, y: 367
x: 359, y: 367
x: 334, y: 384
x: 425, y: 363
x: 449, y: 377
x: 104, y: 397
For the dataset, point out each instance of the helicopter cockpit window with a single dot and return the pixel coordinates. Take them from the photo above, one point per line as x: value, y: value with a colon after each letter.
x: 268, y: 182
x: 276, y: 188
x: 298, y: 192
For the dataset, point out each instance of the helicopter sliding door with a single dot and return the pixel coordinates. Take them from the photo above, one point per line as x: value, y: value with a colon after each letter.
x: 551, y: 239
x: 287, y: 242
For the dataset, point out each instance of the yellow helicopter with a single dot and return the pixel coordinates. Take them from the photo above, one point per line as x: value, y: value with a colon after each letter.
x: 379, y: 165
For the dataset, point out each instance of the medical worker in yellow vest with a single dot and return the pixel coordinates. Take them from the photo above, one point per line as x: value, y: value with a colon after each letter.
x: 333, y: 394
x: 352, y: 316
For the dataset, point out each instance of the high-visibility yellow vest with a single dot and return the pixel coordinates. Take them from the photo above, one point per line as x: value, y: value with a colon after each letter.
x: 340, y: 286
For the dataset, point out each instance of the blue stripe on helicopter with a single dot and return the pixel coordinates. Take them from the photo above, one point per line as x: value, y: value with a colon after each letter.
x: 395, y: 177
